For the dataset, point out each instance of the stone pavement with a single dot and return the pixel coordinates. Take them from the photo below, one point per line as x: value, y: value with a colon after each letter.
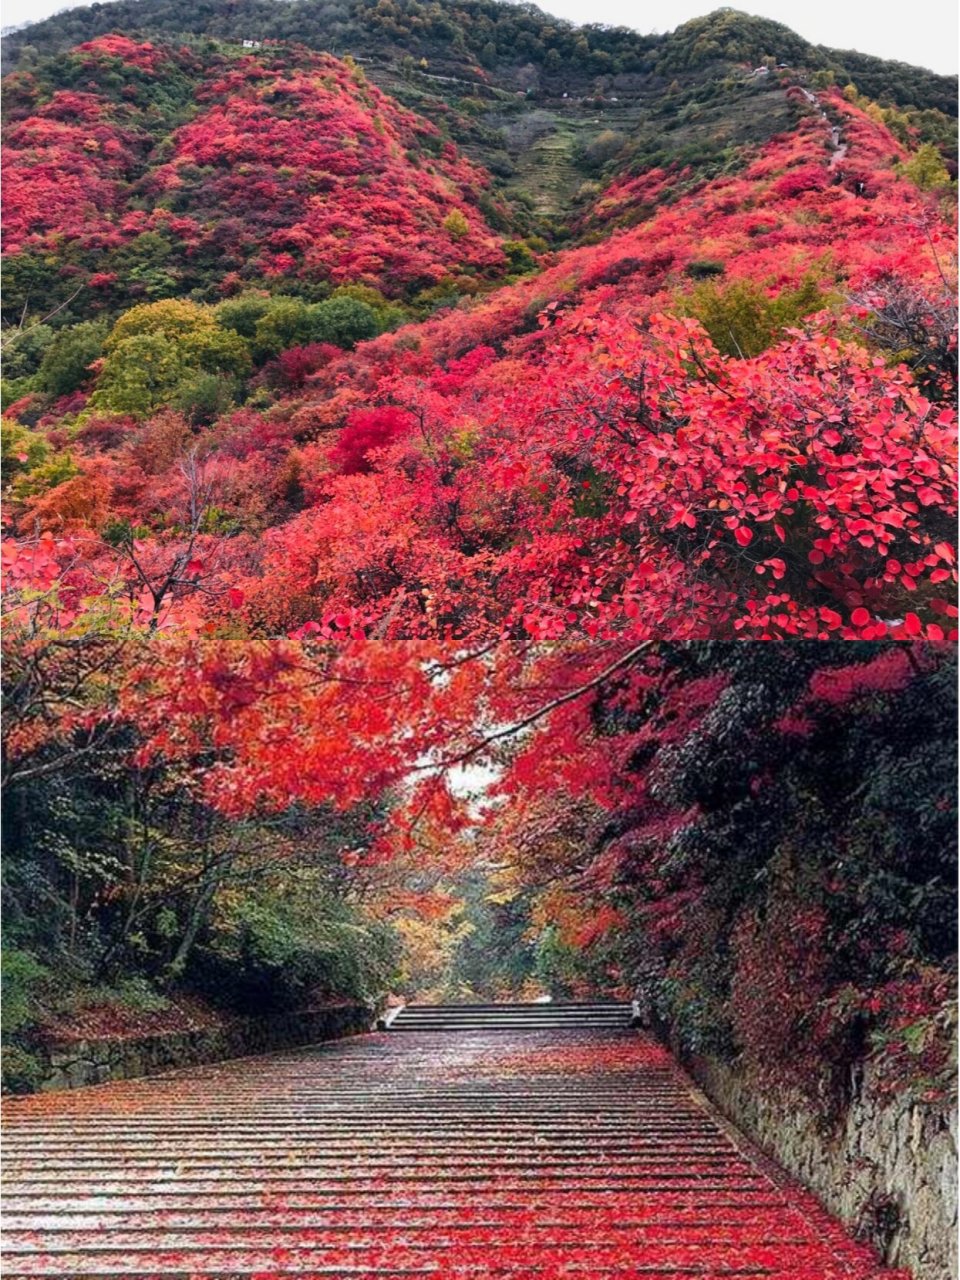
x: 554, y: 1152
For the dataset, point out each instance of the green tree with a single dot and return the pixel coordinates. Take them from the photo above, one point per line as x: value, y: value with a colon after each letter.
x: 926, y: 169
x: 65, y: 366
x: 172, y: 317
x: 156, y: 347
x: 343, y: 321
x: 242, y: 313
x: 287, y: 322
x: 218, y: 351
x: 140, y: 375
x: 24, y: 349
x: 456, y: 225
x: 203, y: 397
x: 388, y: 313
x: 519, y: 256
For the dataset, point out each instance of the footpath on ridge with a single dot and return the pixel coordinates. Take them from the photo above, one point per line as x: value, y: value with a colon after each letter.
x: 543, y: 1145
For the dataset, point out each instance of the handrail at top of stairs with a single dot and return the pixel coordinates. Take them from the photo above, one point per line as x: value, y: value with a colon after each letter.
x: 388, y: 1015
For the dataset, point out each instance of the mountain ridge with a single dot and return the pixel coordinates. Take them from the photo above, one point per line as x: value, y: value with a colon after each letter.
x: 540, y: 102
x: 724, y: 31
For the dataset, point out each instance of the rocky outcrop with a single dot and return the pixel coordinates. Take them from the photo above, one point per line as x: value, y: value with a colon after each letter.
x: 889, y: 1169
x: 69, y: 1064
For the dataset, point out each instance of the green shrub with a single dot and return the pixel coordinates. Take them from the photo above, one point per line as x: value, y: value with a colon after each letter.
x: 24, y: 349
x: 20, y: 974
x: 204, y: 397
x: 389, y: 315
x: 703, y: 269
x: 279, y: 949
x: 21, y: 451
x: 242, y: 314
x: 519, y: 257
x: 21, y: 1071
x: 46, y: 476
x: 65, y: 366
x: 742, y: 319
x: 344, y: 321
x: 287, y: 322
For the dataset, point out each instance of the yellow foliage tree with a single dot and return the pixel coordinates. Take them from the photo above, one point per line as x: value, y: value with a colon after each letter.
x: 456, y: 225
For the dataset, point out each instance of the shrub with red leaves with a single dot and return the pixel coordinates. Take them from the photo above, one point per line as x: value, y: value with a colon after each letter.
x: 366, y: 430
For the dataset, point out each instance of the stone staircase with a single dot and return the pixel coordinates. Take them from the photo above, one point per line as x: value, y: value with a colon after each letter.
x: 533, y: 1148
x: 601, y: 1015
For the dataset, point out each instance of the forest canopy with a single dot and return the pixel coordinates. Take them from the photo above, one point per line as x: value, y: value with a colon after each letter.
x: 754, y: 841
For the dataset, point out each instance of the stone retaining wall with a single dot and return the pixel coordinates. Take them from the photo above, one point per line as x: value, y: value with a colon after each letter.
x: 71, y: 1064
x: 889, y: 1171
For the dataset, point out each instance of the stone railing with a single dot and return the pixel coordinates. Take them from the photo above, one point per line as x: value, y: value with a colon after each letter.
x: 70, y: 1064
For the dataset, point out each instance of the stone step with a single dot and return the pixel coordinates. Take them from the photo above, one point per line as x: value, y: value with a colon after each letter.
x: 601, y: 1015
x: 505, y: 1151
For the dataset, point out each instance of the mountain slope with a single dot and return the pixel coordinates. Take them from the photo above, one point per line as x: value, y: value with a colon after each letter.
x: 143, y: 171
x: 731, y: 415
x: 527, y: 95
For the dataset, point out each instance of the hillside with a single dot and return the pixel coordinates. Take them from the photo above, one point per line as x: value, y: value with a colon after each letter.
x: 144, y: 171
x: 544, y: 105
x: 727, y: 411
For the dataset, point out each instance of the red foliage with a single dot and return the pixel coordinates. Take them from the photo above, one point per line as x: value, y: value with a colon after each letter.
x: 306, y: 172
x: 386, y: 229
x: 366, y: 430
x: 796, y: 182
x: 885, y: 673
x: 566, y: 454
x: 65, y: 177
x: 781, y: 978
x: 105, y: 434
x: 296, y: 364
x: 145, y: 56
x: 354, y: 207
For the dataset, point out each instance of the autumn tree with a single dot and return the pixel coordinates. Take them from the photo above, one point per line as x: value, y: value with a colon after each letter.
x: 154, y: 348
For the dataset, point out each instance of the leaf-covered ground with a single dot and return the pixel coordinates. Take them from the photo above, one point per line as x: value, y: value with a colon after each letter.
x: 490, y: 1155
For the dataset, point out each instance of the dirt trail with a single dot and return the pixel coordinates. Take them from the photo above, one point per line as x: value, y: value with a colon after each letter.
x: 840, y: 147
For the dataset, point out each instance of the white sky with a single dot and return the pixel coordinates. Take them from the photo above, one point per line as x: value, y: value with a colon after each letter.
x: 923, y: 32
